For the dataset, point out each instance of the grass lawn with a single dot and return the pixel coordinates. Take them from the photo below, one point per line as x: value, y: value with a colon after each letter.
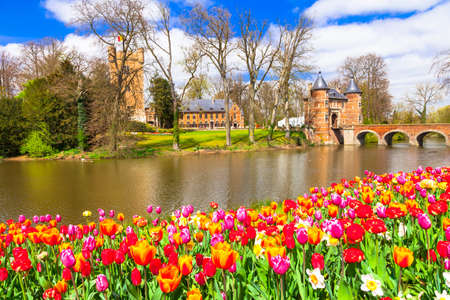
x: 213, y: 140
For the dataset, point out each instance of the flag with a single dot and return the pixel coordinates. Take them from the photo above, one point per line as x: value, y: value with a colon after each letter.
x: 119, y: 38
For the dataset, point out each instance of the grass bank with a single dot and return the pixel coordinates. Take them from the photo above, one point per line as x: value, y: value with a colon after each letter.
x: 137, y: 145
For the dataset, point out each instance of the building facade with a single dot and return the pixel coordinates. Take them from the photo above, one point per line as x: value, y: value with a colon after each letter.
x: 134, y: 94
x: 209, y: 114
x: 330, y: 113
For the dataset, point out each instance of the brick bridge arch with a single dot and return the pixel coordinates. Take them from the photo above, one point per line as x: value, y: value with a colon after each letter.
x: 385, y: 132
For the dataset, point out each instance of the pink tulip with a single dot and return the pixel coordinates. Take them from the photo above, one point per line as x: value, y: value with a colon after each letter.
x: 150, y: 209
x: 185, y: 235
x: 232, y: 269
x: 229, y: 222
x: 48, y: 218
x: 302, y: 235
x: 318, y: 215
x: 89, y: 243
x: 36, y: 219
x: 280, y: 264
x: 216, y: 238
x: 381, y: 211
x: 423, y: 193
x: 241, y: 214
x: 101, y: 218
x: 158, y: 210
x: 424, y: 221
x: 351, y: 213
x: 155, y: 222
x: 67, y: 258
x: 200, y: 278
x: 447, y: 233
x: 185, y: 211
x: 42, y: 219
x: 22, y: 218
x: 111, y: 213
x: 101, y: 283
x: 336, y: 230
x: 101, y: 212
x: 447, y: 264
x: 58, y: 218
x: 431, y: 198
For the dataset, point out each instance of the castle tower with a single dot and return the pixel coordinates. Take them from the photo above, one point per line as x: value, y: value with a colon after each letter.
x: 352, y: 109
x: 134, y: 95
x: 318, y: 111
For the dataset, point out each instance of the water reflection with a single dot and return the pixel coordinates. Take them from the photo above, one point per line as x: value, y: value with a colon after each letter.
x: 69, y: 187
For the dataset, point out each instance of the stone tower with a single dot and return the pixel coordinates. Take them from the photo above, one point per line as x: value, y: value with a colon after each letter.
x: 330, y: 114
x: 317, y: 111
x: 134, y: 95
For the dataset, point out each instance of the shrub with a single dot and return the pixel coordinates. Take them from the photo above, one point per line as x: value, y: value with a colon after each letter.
x: 36, y: 146
x: 136, y: 126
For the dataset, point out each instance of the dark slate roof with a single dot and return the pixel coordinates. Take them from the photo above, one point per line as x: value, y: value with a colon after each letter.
x: 334, y: 94
x: 320, y: 83
x: 352, y: 88
x: 205, y: 105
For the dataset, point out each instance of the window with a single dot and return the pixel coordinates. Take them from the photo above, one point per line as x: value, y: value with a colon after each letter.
x: 326, y: 102
x: 223, y: 115
x: 326, y: 118
x: 188, y: 117
x: 359, y: 103
x: 193, y: 117
x: 217, y: 115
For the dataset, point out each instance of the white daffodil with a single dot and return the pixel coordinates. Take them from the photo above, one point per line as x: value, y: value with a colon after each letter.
x: 447, y: 278
x: 372, y: 285
x: 316, y: 279
x: 441, y: 296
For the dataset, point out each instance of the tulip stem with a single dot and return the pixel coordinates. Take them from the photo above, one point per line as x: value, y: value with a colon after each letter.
x: 304, y: 263
x: 145, y: 283
x: 21, y: 286
x: 428, y: 248
x: 224, y: 281
x: 105, y: 295
x: 400, y: 281
x: 74, y: 285
x: 281, y: 287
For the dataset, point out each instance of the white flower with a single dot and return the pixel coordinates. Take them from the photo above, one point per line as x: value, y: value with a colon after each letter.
x: 316, y: 279
x: 401, y: 230
x: 447, y: 278
x: 372, y: 285
x: 441, y: 296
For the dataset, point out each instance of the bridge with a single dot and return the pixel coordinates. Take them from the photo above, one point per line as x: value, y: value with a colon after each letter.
x: 385, y: 132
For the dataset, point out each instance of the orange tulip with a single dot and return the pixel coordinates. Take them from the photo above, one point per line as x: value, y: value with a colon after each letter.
x: 156, y: 233
x: 333, y: 210
x: 223, y: 256
x: 51, y: 237
x: 194, y: 294
x: 61, y: 286
x: 214, y: 228
x: 274, y: 251
x: 185, y: 264
x: 142, y: 252
x: 445, y: 223
x: 403, y: 256
x: 34, y: 237
x: 2, y: 227
x: 314, y: 235
x: 19, y: 238
x: 108, y: 227
x: 120, y: 217
x: 79, y: 260
x: 199, y: 236
x: 169, y: 278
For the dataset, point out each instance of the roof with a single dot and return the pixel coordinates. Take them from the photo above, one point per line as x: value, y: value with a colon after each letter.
x: 334, y: 94
x: 320, y: 83
x: 352, y: 88
x: 197, y: 105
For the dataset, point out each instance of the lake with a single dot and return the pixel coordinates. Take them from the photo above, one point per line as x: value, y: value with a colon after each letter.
x: 231, y: 179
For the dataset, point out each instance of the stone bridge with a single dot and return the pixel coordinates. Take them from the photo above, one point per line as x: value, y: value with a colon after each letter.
x: 384, y: 133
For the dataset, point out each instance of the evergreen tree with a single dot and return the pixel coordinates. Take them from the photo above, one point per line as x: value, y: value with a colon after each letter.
x: 162, y: 101
x: 13, y: 128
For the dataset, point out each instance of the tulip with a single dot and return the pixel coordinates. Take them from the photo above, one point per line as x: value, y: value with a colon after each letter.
x: 136, y: 277
x: 150, y: 209
x: 48, y: 218
x: 101, y: 212
x: 194, y: 294
x: 209, y: 267
x: 200, y: 278
x: 58, y: 218
x: 185, y: 211
x: 158, y: 210
x: 424, y: 221
x: 3, y: 274
x: 241, y: 214
x: 336, y: 230
x: 101, y: 283
x: 447, y: 264
x: 447, y: 234
x: 185, y: 264
x: 66, y: 274
x: 22, y: 218
x: 280, y: 264
x: 67, y: 258
x: 169, y: 278
x: 109, y: 227
x: 229, y: 222
x: 317, y: 261
x: 142, y: 252
x: 185, y: 235
x: 61, y: 287
x: 302, y: 235
x: 353, y: 255
x: 155, y: 265
x: 223, y: 255
x: 403, y: 256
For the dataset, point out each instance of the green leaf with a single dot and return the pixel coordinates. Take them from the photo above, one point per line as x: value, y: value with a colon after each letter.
x: 344, y: 292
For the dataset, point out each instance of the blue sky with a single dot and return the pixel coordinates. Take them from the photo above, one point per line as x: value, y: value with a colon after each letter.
x: 406, y: 33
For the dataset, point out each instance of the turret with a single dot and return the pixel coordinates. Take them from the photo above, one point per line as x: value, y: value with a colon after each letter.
x: 353, y: 106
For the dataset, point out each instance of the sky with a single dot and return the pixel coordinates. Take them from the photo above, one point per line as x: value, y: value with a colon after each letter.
x: 406, y: 33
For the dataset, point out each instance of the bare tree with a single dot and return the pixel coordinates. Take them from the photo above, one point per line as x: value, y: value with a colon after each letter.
x: 369, y: 71
x: 162, y: 52
x: 212, y: 32
x: 258, y: 54
x: 198, y: 88
x: 441, y: 65
x: 112, y: 20
x: 290, y: 61
x: 424, y: 95
x: 41, y: 58
x: 9, y: 72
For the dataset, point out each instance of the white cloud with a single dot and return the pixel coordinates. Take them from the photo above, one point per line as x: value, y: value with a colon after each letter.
x: 12, y: 49
x: 407, y: 45
x: 323, y: 10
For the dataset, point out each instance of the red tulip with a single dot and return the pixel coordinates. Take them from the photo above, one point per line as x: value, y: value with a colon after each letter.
x: 108, y: 256
x: 3, y: 274
x: 353, y: 255
x: 136, y: 277
x: 155, y: 265
x: 317, y: 261
x: 66, y: 274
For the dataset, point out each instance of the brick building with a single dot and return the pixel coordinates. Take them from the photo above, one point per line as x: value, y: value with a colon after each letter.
x: 328, y: 112
x: 209, y: 114
x: 134, y: 95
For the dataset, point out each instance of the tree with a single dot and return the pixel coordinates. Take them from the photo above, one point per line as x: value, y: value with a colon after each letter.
x: 46, y: 113
x: 13, y: 128
x: 258, y: 55
x: 424, y: 95
x: 9, y: 72
x: 112, y: 20
x: 290, y: 61
x: 211, y: 29
x: 162, y: 101
x: 266, y: 102
x: 441, y: 65
x: 403, y: 114
x: 441, y: 115
x: 161, y: 50
x: 369, y: 72
x: 198, y: 88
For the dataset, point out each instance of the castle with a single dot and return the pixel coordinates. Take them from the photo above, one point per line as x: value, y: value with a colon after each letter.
x: 331, y: 115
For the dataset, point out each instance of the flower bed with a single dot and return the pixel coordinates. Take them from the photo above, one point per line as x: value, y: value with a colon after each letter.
x: 381, y: 237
